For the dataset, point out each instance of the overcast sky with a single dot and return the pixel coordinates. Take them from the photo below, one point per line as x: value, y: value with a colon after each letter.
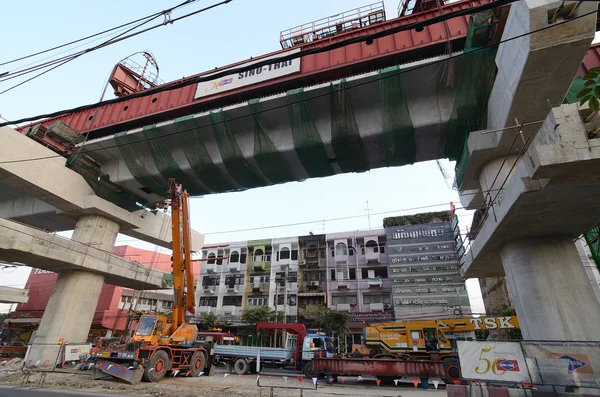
x: 219, y: 37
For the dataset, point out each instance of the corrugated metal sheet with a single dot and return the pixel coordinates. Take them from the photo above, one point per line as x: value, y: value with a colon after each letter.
x: 591, y: 60
x: 343, y: 62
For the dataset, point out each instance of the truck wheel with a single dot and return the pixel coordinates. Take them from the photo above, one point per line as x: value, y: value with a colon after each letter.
x: 157, y: 367
x: 451, y: 370
x: 308, y: 371
x: 241, y: 367
x: 197, y: 364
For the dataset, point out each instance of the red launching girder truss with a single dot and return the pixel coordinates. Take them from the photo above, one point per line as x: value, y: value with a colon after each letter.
x: 402, y: 47
x: 591, y: 60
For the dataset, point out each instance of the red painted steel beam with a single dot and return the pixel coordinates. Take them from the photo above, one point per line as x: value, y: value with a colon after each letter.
x: 381, y: 367
x: 591, y: 60
x: 402, y: 47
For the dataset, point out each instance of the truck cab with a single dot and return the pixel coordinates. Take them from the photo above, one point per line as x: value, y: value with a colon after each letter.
x: 316, y: 341
x: 150, y: 328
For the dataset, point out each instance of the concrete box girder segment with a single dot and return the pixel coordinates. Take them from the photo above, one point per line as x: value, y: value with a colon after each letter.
x: 534, y: 74
x: 36, y: 248
x: 48, y: 180
x: 13, y: 295
x: 552, y: 190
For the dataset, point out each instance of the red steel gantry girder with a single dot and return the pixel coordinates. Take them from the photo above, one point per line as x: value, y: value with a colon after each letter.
x: 402, y: 47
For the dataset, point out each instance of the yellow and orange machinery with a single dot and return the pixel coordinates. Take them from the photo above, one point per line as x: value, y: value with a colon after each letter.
x: 157, y: 346
x: 402, y: 337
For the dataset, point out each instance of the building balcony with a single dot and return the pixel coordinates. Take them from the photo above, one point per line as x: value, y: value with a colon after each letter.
x: 234, y: 288
x: 375, y: 307
x: 376, y: 282
x: 231, y: 310
x: 209, y: 289
x: 234, y: 267
x: 314, y: 286
x: 339, y: 258
x: 206, y: 309
x: 259, y: 288
x: 371, y: 256
x: 342, y: 307
x: 310, y: 262
x: 261, y: 262
x: 210, y: 267
x: 341, y: 284
x: 281, y: 287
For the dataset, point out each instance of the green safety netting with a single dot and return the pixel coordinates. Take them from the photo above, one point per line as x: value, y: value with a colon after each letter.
x: 345, y: 138
x: 461, y: 164
x: 307, y: 141
x: 101, y: 183
x: 270, y: 161
x: 128, y: 146
x: 234, y: 160
x: 478, y: 70
x: 593, y: 240
x: 167, y: 166
x: 396, y: 125
x: 576, y: 86
x: 197, y: 154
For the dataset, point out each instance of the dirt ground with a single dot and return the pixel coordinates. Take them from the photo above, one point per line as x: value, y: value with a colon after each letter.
x: 218, y: 385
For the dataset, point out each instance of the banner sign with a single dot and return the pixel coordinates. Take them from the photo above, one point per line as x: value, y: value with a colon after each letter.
x: 72, y: 352
x: 563, y: 363
x: 253, y: 76
x: 372, y: 316
x: 500, y: 361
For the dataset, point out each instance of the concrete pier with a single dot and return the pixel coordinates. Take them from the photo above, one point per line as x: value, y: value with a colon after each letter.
x: 555, y: 300
x: 70, y: 310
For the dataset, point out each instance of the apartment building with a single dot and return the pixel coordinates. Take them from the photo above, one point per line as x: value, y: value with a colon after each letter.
x: 312, y: 271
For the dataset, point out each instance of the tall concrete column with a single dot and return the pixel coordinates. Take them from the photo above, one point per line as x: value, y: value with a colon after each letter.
x: 71, y: 307
x: 553, y: 296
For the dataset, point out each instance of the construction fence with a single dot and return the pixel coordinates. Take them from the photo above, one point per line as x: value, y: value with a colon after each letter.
x: 531, y: 363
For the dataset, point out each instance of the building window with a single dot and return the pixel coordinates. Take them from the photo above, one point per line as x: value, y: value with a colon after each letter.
x: 168, y: 304
x: 258, y: 301
x: 233, y: 280
x: 208, y: 301
x: 318, y: 275
x: 220, y: 254
x: 341, y: 249
x: 259, y: 279
x: 376, y: 298
x: 232, y: 301
x: 208, y: 281
x: 343, y: 299
x: 372, y: 246
x: 211, y: 259
x: 284, y: 253
x: 382, y: 248
x: 126, y: 299
x: 243, y: 258
x: 380, y: 272
x: 258, y: 255
x: 294, y: 255
x: 234, y: 257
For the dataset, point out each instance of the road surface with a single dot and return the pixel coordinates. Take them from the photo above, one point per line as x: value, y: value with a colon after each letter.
x: 18, y: 392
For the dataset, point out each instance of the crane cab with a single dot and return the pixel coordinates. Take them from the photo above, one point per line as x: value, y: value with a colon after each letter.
x: 150, y: 328
x: 315, y: 341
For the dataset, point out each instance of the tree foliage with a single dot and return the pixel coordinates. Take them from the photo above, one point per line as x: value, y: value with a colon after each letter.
x: 591, y: 89
x: 417, y: 219
x: 330, y: 321
x: 209, y: 321
x: 256, y: 314
x: 513, y: 334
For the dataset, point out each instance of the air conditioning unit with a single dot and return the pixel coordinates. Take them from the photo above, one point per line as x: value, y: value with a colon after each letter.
x: 303, y: 262
x: 238, y: 288
x: 387, y: 306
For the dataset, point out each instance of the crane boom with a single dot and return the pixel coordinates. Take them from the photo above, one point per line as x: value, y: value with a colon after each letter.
x: 183, y: 277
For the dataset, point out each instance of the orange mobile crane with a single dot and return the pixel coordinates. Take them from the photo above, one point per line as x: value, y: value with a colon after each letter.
x: 157, y: 346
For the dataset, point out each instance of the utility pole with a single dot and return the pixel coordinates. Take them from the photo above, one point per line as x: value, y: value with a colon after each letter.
x: 368, y: 213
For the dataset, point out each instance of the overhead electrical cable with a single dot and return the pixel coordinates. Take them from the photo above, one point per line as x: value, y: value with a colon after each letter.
x: 116, y: 39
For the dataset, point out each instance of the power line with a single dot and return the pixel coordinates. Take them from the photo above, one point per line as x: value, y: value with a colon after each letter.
x: 114, y: 40
x: 348, y: 87
x: 359, y: 39
x: 93, y: 35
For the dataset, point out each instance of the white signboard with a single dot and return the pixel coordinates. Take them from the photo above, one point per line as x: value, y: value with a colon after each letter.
x: 72, y: 352
x: 252, y: 76
x: 500, y: 361
x: 564, y: 363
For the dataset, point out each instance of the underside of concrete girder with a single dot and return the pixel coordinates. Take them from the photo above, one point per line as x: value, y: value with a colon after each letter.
x: 36, y: 248
x: 552, y: 190
x: 13, y: 295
